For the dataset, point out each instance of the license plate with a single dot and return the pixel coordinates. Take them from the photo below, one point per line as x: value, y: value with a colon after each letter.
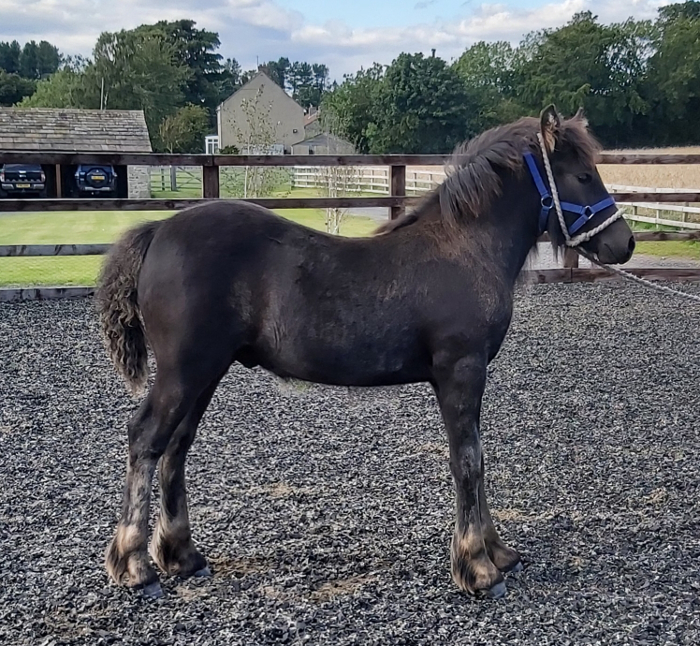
x: 100, y: 177
x: 24, y: 185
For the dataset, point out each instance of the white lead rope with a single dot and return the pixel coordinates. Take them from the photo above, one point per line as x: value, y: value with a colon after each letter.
x: 637, y: 279
x: 576, y: 241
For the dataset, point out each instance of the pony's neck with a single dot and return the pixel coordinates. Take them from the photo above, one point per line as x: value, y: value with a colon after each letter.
x: 503, y: 235
x: 514, y: 221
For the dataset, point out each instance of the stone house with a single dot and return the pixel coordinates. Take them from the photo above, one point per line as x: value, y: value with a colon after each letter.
x: 80, y: 131
x: 260, y: 112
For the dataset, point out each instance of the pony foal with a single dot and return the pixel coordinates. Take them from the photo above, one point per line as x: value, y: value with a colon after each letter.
x: 427, y: 299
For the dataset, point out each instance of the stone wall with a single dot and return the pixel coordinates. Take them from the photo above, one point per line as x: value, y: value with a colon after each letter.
x: 139, y: 179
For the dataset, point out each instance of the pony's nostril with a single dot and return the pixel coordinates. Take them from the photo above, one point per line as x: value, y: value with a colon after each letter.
x: 631, y: 245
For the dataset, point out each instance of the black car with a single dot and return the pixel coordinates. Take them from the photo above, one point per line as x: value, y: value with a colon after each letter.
x: 91, y: 179
x: 22, y: 180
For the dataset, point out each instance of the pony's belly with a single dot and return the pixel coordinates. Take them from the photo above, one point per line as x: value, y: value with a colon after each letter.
x: 349, y: 367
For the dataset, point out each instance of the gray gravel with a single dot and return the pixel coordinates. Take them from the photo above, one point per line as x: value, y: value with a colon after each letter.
x: 327, y: 513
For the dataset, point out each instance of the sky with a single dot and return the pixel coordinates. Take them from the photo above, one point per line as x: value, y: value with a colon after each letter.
x: 343, y: 34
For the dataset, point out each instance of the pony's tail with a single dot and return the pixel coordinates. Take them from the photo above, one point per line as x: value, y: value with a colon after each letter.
x: 118, y: 308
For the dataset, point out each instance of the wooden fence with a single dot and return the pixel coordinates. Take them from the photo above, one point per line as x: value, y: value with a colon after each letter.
x: 396, y: 202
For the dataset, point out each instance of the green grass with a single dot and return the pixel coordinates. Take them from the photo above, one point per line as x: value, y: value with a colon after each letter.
x: 102, y: 227
x: 676, y: 248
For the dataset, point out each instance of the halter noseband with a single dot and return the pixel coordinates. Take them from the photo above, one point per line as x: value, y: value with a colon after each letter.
x: 550, y: 200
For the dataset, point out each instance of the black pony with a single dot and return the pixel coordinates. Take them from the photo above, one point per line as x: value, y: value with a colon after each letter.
x: 427, y: 299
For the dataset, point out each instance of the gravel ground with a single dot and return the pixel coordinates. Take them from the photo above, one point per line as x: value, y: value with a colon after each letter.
x: 327, y: 513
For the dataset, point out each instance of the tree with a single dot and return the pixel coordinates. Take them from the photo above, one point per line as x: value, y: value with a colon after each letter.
x: 277, y: 71
x: 9, y: 57
x: 184, y: 131
x: 257, y: 138
x: 673, y: 84
x: 355, y: 105
x: 670, y: 13
x: 586, y: 64
x: 423, y: 107
x: 307, y: 82
x: 487, y: 70
x: 140, y: 71
x: 64, y: 89
x: 48, y: 59
x: 231, y: 79
x: 195, y: 50
x: 338, y: 180
x: 13, y: 88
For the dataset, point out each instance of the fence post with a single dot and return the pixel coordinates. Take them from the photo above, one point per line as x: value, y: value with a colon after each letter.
x: 398, y: 189
x: 570, y: 259
x: 173, y: 178
x: 210, y: 182
x: 59, y: 182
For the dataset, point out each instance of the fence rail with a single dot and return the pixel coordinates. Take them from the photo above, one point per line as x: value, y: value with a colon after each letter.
x: 399, y: 182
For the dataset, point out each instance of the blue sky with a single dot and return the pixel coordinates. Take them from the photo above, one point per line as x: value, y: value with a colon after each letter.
x: 345, y: 35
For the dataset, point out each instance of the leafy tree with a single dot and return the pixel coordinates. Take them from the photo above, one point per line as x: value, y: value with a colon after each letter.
x: 184, y: 131
x: 38, y: 61
x: 10, y: 54
x: 673, y: 84
x: 354, y: 106
x: 14, y: 88
x: 64, y: 89
x: 584, y: 63
x: 231, y: 79
x: 195, y: 50
x: 277, y: 70
x: 672, y: 12
x: 423, y: 107
x: 487, y: 70
x: 140, y: 71
x: 307, y: 82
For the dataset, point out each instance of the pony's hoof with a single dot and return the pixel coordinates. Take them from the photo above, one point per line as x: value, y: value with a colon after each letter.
x: 204, y: 573
x: 152, y: 591
x: 518, y: 567
x: 498, y: 591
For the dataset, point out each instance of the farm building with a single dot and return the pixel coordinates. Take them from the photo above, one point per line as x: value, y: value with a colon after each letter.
x: 80, y: 131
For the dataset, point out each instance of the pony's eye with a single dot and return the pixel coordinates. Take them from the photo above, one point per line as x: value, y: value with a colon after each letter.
x: 585, y: 178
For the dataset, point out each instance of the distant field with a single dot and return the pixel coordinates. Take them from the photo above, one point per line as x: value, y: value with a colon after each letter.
x: 656, y: 176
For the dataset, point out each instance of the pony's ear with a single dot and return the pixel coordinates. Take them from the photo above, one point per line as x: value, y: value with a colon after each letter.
x: 550, y: 124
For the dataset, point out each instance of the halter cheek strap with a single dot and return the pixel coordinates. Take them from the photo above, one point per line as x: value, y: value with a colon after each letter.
x: 548, y: 202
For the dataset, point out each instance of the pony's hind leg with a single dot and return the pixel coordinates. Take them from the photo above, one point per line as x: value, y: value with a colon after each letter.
x: 150, y: 431
x: 505, y: 558
x: 172, y: 547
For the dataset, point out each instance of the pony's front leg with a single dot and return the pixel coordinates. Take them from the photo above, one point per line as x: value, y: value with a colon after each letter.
x: 460, y: 387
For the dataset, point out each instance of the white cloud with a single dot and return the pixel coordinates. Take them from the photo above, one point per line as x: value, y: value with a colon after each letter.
x: 261, y: 30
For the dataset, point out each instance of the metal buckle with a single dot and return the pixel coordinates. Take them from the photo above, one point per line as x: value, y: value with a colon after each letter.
x: 547, y: 202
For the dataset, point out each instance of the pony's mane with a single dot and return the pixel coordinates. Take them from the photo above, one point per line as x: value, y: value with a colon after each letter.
x: 473, y: 179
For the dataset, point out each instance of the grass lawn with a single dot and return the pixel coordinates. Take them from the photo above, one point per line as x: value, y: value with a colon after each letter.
x: 102, y: 227
x: 676, y: 249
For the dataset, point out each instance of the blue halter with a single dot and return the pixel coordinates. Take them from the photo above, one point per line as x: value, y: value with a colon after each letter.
x: 585, y: 213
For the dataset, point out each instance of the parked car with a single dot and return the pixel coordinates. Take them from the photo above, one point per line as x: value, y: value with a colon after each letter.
x: 22, y: 180
x: 90, y: 179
